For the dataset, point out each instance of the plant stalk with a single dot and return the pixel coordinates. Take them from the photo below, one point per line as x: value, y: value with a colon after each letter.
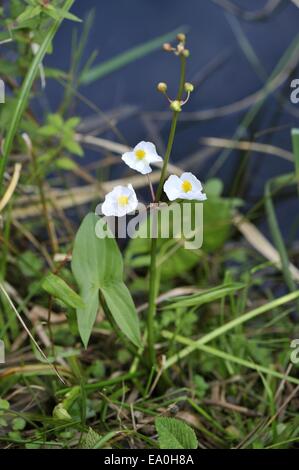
x: 153, y: 284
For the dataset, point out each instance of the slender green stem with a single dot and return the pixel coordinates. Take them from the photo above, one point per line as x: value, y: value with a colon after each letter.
x: 153, y: 284
x: 172, y: 130
x: 152, y: 303
x: 43, y: 199
x: 279, y: 183
x: 295, y: 141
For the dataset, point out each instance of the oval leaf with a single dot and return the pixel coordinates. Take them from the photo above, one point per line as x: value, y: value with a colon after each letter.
x: 175, y: 434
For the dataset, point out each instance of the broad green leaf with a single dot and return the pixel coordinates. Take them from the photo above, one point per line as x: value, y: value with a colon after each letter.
x: 57, y: 287
x: 4, y: 404
x: 180, y: 261
x: 18, y: 424
x: 175, y: 434
x: 126, y: 57
x: 93, y: 440
x: 90, y: 439
x: 86, y: 316
x: 97, y: 265
x: 119, y: 301
x: 213, y: 187
x: 217, y: 221
x: 170, y: 244
x: 96, y: 261
x: 217, y: 215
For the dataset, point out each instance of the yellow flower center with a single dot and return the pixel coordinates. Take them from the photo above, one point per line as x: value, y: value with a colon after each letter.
x: 186, y: 186
x: 123, y: 200
x: 140, y: 154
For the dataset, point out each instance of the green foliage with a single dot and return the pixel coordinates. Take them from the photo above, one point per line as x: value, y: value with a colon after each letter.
x: 100, y: 71
x: 4, y: 405
x: 234, y: 331
x: 60, y: 413
x: 217, y: 216
x: 179, y: 260
x: 22, y: 101
x: 57, y: 287
x: 29, y: 264
x: 98, y: 267
x: 37, y: 8
x: 24, y: 93
x: 175, y: 434
x: 201, y: 386
x: 63, y: 131
x: 210, y: 295
x: 90, y: 439
x: 18, y: 424
x: 217, y: 222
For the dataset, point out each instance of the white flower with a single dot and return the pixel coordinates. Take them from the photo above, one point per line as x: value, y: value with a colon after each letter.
x: 185, y: 187
x: 141, y: 157
x: 120, y: 201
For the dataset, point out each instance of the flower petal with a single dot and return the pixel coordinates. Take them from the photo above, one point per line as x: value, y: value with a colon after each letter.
x: 172, y: 187
x: 111, y: 205
x: 154, y: 158
x: 142, y: 165
x: 196, y: 184
x: 130, y: 159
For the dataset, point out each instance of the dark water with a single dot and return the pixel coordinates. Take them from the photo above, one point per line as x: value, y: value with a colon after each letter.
x: 120, y: 25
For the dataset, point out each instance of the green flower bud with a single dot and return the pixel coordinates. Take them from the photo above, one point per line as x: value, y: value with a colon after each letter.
x: 181, y: 37
x: 188, y: 87
x: 186, y: 53
x: 162, y: 87
x: 176, y: 106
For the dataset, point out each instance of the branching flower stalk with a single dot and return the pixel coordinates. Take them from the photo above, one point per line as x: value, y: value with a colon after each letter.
x: 123, y: 200
x: 176, y: 108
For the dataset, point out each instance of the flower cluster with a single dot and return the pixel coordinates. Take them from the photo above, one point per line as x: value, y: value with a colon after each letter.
x: 122, y: 200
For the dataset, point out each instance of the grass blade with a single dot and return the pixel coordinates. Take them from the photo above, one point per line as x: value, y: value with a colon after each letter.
x: 101, y: 70
x: 230, y: 325
x: 229, y: 357
x: 279, y: 182
x: 295, y: 140
x: 210, y: 295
